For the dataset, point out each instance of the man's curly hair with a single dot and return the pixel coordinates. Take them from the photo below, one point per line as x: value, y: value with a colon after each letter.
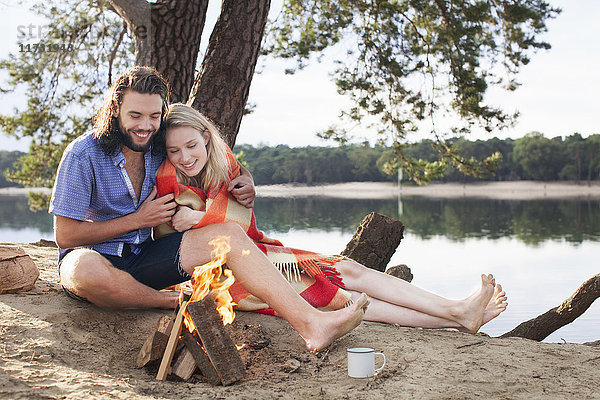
x: 139, y: 79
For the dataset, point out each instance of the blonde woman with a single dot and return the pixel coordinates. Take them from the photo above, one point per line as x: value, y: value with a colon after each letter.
x: 197, y: 170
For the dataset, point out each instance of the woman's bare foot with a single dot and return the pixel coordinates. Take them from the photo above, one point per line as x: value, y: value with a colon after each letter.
x: 470, y: 314
x: 496, y: 305
x: 335, y: 324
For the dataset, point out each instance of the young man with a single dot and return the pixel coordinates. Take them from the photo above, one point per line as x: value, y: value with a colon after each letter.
x: 104, y: 205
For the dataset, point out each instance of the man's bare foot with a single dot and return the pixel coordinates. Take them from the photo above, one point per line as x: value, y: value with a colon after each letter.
x: 496, y: 305
x: 470, y: 314
x: 335, y: 324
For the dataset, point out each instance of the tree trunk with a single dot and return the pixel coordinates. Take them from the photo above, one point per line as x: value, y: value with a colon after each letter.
x: 167, y: 36
x: 221, y: 89
x: 177, y: 26
x: 375, y: 241
x: 540, y: 327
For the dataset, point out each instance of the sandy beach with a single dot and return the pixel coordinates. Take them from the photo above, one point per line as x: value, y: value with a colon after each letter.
x: 54, y: 347
x: 511, y: 190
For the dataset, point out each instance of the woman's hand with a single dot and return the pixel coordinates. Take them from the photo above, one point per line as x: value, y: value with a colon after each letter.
x: 185, y: 218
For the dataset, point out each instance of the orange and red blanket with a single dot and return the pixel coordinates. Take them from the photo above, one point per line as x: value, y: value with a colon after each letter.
x: 311, y: 274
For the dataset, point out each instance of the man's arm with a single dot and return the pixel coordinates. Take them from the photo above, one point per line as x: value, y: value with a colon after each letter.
x: 69, y: 232
x: 242, y: 188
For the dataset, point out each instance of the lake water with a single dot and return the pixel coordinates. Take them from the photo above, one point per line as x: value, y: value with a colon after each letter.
x: 540, y: 251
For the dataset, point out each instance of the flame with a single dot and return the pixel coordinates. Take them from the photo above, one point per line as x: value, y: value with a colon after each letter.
x: 210, y: 278
x: 245, y: 252
x: 240, y: 346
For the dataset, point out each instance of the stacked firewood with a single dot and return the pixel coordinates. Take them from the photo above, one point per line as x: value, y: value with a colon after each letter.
x: 207, y: 348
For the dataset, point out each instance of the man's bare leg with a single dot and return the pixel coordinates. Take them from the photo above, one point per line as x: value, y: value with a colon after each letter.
x: 260, y: 277
x: 87, y: 274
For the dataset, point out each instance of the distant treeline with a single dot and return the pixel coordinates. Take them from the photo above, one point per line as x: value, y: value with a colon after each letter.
x: 532, y: 157
x: 7, y: 159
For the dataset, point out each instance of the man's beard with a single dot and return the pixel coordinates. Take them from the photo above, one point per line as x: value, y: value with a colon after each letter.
x: 125, y: 138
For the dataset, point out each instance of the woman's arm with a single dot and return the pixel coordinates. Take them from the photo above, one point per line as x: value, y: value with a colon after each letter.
x: 185, y: 218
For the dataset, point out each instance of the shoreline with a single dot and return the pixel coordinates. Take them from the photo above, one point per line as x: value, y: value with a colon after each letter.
x: 505, y: 190
x: 19, y: 191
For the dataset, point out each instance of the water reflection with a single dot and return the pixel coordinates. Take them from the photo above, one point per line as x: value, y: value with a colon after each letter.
x: 532, y: 222
x: 15, y: 215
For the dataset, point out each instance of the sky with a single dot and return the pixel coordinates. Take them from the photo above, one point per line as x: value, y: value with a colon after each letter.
x: 557, y: 96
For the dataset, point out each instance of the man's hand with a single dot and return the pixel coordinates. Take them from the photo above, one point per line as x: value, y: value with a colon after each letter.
x: 156, y: 210
x: 70, y: 233
x: 242, y: 188
x: 185, y: 218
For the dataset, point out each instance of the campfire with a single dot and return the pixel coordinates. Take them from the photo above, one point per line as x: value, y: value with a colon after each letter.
x: 196, y: 333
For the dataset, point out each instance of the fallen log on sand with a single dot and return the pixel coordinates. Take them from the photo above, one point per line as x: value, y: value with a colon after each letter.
x: 17, y: 271
x: 540, y: 327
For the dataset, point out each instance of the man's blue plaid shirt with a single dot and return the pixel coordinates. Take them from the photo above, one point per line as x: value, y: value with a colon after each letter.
x: 93, y: 186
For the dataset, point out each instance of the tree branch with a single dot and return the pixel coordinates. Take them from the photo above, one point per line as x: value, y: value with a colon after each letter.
x: 540, y: 327
x: 137, y: 15
x: 113, y: 53
x: 132, y: 11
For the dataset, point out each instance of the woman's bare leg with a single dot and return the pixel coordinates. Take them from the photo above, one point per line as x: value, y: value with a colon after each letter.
x: 381, y: 311
x: 260, y: 277
x: 497, y: 304
x: 469, y: 312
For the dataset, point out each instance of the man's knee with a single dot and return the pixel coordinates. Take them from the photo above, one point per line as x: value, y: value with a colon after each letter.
x: 83, y: 268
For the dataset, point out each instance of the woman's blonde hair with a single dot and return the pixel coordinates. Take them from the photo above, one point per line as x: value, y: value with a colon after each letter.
x: 217, y: 169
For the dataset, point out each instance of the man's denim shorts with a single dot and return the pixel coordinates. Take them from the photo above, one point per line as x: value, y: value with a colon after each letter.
x: 157, y: 264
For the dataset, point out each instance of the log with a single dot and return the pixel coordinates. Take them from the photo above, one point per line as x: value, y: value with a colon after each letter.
x: 200, y: 357
x: 165, y: 363
x: 18, y: 273
x: 154, y: 347
x: 185, y: 364
x: 375, y: 241
x: 216, y: 341
x: 540, y: 327
x: 401, y: 271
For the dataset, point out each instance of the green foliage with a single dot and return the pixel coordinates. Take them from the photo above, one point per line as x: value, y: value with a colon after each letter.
x: 533, y: 157
x: 7, y: 160
x: 313, y: 165
x: 63, y: 86
x: 538, y: 157
x: 583, y: 157
x: 408, y: 60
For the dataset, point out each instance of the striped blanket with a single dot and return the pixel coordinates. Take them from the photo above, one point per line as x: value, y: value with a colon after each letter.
x: 312, y: 275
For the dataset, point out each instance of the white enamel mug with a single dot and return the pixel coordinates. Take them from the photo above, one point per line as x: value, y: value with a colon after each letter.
x: 361, y: 362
